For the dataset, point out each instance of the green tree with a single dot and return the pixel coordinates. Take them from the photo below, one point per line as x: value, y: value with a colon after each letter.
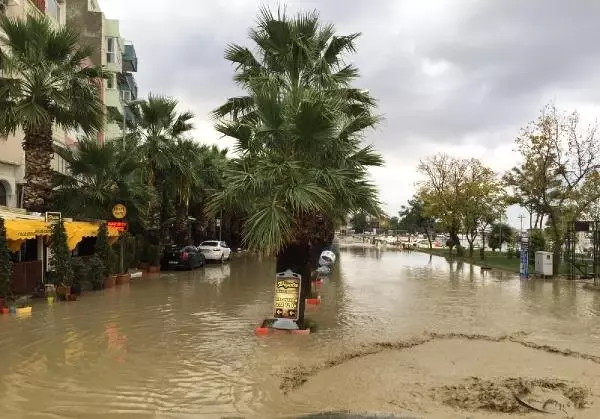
x: 61, y: 256
x: 501, y: 233
x: 301, y: 166
x: 359, y: 222
x: 105, y: 252
x: 413, y: 219
x: 97, y: 177
x: 565, y: 162
x: 44, y: 84
x: 394, y: 224
x: 5, y: 265
x: 158, y: 128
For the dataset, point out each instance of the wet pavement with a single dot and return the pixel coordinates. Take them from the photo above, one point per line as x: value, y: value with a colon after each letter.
x: 182, y: 345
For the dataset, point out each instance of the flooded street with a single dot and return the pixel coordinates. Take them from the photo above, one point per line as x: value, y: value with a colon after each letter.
x: 182, y: 345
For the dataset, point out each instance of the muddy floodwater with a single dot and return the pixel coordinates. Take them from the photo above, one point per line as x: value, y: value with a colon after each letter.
x: 398, y: 332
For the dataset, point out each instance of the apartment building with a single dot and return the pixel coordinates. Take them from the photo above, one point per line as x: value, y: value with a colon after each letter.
x: 12, y: 156
x: 113, y: 54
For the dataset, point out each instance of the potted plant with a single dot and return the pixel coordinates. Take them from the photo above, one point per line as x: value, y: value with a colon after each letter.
x: 80, y: 274
x: 96, y: 273
x: 142, y: 254
x: 6, y: 293
x: 107, y: 255
x: 128, y: 255
x: 154, y: 255
x: 61, y: 260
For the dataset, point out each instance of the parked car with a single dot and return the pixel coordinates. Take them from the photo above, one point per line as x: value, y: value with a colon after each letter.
x: 215, y: 250
x: 187, y: 257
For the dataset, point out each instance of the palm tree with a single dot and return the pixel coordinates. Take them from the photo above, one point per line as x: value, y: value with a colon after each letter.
x: 45, y: 84
x: 200, y: 174
x: 158, y: 127
x: 301, y: 166
x: 98, y: 177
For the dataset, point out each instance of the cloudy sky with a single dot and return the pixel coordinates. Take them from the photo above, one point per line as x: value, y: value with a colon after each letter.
x: 459, y: 76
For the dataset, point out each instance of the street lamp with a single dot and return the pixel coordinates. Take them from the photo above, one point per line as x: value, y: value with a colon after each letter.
x: 125, y: 105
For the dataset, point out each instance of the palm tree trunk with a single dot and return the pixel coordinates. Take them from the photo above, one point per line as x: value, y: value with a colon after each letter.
x: 38, y: 170
x: 181, y: 231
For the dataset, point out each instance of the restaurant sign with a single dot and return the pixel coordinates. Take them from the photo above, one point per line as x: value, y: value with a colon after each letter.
x: 120, y: 226
x: 287, y: 295
x: 53, y: 217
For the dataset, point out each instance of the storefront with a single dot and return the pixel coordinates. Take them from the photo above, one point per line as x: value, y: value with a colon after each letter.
x: 27, y: 238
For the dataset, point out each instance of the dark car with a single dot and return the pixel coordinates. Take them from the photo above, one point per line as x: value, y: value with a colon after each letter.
x: 175, y: 257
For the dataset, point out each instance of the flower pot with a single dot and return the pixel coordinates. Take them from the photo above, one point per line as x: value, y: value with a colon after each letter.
x: 4, y: 310
x: 123, y: 279
x: 23, y: 310
x: 152, y: 269
x: 71, y: 297
x: 110, y: 281
x: 76, y: 289
x: 62, y: 292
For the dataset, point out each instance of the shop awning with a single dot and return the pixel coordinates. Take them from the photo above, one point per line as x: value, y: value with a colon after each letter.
x: 77, y: 230
x: 19, y: 230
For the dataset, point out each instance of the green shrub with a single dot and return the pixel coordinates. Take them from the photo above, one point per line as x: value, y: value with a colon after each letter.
x: 154, y: 255
x: 61, y: 256
x: 80, y: 270
x: 105, y: 252
x: 96, y: 272
x: 5, y: 265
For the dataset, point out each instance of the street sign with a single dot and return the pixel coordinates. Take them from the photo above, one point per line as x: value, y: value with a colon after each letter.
x: 119, y: 211
x: 524, y: 267
x: 287, y: 295
x: 53, y: 217
x: 120, y: 226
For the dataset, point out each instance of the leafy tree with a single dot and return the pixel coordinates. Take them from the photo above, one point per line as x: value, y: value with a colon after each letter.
x: 501, y: 233
x: 394, y: 224
x: 61, y: 256
x: 105, y: 252
x: 155, y: 135
x: 359, y: 222
x: 44, y: 84
x: 413, y: 219
x: 565, y: 162
x: 537, y: 242
x: 98, y: 177
x: 298, y: 131
x: 5, y: 265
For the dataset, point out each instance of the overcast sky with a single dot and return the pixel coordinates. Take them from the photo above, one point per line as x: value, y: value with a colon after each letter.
x: 460, y: 76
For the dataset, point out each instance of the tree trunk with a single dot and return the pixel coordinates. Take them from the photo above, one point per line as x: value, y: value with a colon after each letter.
x: 181, y: 231
x: 296, y: 257
x: 37, y: 145
x: 428, y: 234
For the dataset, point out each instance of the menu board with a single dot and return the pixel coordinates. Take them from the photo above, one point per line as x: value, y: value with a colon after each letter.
x: 287, y: 295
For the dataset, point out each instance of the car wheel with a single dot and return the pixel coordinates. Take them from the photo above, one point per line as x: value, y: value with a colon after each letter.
x: 222, y: 257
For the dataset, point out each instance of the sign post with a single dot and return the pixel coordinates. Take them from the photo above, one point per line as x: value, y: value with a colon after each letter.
x: 287, y: 295
x: 119, y: 211
x: 524, y: 268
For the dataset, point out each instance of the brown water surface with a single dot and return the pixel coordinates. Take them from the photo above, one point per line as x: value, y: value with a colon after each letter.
x: 182, y: 345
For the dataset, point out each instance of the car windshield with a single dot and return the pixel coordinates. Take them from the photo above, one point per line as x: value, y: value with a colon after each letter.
x: 212, y: 244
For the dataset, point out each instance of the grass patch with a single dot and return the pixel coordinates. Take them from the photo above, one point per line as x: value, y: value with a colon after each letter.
x: 494, y: 260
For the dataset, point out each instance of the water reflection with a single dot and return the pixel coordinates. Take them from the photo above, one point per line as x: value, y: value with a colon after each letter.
x: 182, y: 343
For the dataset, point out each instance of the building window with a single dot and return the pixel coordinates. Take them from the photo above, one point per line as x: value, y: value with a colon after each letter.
x: 53, y: 9
x: 126, y: 95
x: 111, y: 50
x: 3, y: 197
x: 110, y: 82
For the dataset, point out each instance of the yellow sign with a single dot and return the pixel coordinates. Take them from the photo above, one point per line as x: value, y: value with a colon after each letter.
x: 119, y: 211
x: 287, y: 295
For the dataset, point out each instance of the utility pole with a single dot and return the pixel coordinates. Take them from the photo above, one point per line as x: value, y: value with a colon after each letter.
x: 521, y: 218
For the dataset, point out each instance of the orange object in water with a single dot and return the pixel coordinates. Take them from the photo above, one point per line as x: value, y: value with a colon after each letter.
x: 313, y: 301
x: 261, y: 331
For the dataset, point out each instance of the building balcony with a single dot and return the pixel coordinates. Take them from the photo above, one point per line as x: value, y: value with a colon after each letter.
x: 126, y: 83
x: 130, y: 61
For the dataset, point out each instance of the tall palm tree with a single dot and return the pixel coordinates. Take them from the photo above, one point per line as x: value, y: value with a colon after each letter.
x: 202, y: 174
x: 298, y: 131
x: 45, y: 84
x: 98, y: 177
x: 158, y: 127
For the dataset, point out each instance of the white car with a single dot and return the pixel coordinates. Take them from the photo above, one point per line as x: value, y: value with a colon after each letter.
x: 215, y: 250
